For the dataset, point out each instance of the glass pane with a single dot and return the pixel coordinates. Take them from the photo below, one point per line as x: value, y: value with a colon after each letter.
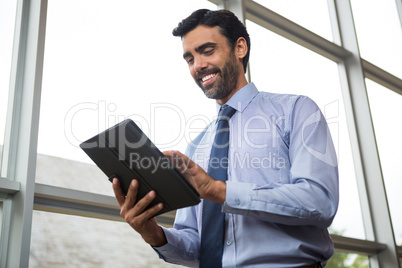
x: 311, y: 14
x: 279, y: 65
x: 386, y: 108
x: 71, y: 174
x: 379, y: 33
x: 340, y: 259
x: 107, y: 62
x: 1, y: 218
x: 70, y: 241
x: 7, y: 25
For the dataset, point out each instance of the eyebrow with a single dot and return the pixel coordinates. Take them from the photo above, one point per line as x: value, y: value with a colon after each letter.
x: 200, y: 48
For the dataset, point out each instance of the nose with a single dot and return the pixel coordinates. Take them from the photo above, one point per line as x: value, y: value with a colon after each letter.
x: 199, y: 64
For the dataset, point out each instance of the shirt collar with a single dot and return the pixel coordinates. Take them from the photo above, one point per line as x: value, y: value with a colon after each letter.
x: 242, y: 98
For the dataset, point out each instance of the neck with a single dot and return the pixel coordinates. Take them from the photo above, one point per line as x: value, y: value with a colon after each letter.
x: 240, y: 84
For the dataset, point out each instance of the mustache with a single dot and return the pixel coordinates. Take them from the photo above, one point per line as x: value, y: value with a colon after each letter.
x: 202, y: 73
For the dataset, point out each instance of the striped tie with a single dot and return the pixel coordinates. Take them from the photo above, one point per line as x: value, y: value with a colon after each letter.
x: 213, y: 220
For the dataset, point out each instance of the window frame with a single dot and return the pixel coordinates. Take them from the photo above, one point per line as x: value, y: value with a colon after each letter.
x: 20, y: 194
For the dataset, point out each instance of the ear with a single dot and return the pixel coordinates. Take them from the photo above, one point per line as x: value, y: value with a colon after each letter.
x: 241, y: 48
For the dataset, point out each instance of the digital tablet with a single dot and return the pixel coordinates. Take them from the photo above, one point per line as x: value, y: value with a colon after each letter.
x: 125, y: 152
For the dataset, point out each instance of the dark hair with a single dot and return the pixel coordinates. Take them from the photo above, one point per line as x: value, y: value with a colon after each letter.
x: 229, y: 25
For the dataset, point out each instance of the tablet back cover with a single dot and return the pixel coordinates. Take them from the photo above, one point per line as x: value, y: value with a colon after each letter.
x: 125, y: 152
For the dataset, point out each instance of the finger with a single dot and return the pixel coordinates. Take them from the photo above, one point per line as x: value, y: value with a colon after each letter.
x: 132, y: 194
x: 118, y: 192
x: 133, y: 213
x: 149, y: 213
x: 179, y: 160
x: 140, y: 222
x: 184, y: 158
x: 127, y: 210
x: 144, y: 202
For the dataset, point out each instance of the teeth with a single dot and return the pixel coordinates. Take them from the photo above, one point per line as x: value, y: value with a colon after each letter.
x: 205, y: 78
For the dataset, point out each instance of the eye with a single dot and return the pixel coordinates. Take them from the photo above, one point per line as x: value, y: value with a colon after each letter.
x: 209, y: 51
x: 189, y: 60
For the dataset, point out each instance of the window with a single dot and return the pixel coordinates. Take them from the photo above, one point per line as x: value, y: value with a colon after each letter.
x: 71, y: 241
x: 312, y: 15
x: 105, y: 62
x: 386, y: 108
x: 348, y: 260
x: 110, y: 60
x: 379, y: 33
x: 281, y: 66
x: 1, y: 217
x: 7, y: 22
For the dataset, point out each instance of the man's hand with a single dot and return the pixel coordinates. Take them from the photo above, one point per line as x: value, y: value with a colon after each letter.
x: 140, y: 220
x: 206, y: 186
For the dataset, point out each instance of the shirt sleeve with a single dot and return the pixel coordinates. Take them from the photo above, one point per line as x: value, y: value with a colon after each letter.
x: 182, y: 241
x: 311, y: 196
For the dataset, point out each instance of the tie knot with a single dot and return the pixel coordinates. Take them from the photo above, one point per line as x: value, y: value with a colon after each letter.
x: 226, y: 112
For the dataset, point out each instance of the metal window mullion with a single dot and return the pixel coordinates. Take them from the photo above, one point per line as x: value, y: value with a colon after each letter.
x: 9, y: 187
x: 294, y: 32
x: 399, y: 10
x: 20, y: 146
x: 5, y: 228
x: 238, y: 8
x: 359, y: 246
x: 372, y: 194
x: 74, y: 202
x: 298, y: 34
x: 284, y: 27
x: 382, y: 77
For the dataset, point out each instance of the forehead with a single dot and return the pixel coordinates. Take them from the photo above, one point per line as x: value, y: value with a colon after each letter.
x: 201, y: 35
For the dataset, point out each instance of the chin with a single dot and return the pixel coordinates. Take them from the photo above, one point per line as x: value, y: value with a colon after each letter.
x: 210, y: 92
x: 216, y: 95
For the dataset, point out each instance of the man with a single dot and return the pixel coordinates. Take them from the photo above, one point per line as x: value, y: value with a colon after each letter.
x: 278, y: 192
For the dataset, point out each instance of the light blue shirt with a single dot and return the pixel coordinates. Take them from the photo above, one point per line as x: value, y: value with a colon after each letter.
x: 282, y: 188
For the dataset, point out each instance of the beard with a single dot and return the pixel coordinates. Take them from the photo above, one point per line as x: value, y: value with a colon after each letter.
x: 227, y: 82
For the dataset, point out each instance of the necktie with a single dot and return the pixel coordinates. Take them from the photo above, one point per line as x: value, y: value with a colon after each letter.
x: 213, y: 220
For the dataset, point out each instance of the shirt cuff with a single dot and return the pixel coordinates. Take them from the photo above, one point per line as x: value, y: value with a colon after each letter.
x: 238, y: 196
x: 164, y: 250
x: 169, y: 247
x: 171, y: 252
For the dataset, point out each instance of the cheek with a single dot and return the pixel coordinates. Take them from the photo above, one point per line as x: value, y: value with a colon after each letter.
x: 192, y: 72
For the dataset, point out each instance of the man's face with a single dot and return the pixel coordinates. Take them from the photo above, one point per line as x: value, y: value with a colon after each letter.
x: 211, y: 61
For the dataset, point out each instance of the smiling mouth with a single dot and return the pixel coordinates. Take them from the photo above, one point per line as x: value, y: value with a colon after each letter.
x: 207, y: 77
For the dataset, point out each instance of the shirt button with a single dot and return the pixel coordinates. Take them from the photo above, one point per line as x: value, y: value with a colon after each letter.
x: 237, y: 201
x: 228, y: 242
